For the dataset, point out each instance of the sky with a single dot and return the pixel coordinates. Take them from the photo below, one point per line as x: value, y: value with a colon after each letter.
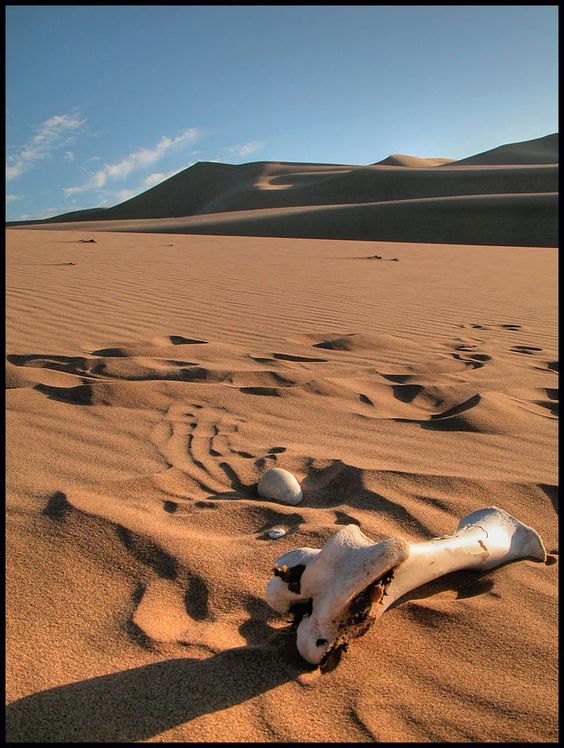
x: 103, y: 102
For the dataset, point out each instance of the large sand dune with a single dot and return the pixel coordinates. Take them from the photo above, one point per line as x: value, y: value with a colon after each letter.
x: 153, y: 378
x: 537, y: 151
x: 505, y: 196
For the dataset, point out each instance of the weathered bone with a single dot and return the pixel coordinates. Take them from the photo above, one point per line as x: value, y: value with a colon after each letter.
x: 340, y: 590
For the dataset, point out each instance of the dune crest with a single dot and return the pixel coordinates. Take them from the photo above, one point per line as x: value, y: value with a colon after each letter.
x: 506, y: 196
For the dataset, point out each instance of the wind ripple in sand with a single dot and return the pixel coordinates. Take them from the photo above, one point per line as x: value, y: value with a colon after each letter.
x: 213, y: 428
x: 438, y: 393
x: 151, y: 386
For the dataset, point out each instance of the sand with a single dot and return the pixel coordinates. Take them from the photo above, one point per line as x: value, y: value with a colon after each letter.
x: 152, y: 379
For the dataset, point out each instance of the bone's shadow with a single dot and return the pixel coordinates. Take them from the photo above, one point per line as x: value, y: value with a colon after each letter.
x: 466, y: 583
x: 137, y: 704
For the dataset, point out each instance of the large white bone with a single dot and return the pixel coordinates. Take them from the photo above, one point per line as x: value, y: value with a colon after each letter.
x: 341, y: 589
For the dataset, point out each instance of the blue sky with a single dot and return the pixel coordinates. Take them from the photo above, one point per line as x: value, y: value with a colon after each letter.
x: 103, y: 102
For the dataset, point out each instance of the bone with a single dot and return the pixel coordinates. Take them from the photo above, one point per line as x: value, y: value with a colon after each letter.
x: 338, y: 591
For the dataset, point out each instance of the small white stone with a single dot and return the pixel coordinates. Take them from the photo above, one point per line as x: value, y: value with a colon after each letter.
x: 277, y: 532
x: 280, y: 485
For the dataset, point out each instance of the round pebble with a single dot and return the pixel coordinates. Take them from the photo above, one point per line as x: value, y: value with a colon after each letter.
x: 280, y: 485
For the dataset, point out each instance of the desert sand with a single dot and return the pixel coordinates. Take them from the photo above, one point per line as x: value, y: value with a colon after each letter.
x: 152, y: 378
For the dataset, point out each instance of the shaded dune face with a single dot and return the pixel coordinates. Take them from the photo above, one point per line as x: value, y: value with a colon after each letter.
x: 507, y: 196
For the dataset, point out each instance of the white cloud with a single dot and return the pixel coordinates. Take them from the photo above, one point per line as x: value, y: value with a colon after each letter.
x: 51, y: 135
x: 123, y: 195
x: 157, y: 177
x: 69, y: 156
x: 153, y: 179
x: 135, y: 161
x: 244, y: 149
x: 37, y: 215
x: 71, y: 190
x: 13, y: 198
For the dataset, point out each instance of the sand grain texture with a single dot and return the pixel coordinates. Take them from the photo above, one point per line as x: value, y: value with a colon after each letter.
x: 149, y: 386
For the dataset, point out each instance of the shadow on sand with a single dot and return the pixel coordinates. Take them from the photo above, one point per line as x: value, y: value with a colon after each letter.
x: 137, y: 704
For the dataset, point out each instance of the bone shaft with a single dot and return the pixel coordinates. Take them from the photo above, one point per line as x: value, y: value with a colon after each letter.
x: 467, y: 549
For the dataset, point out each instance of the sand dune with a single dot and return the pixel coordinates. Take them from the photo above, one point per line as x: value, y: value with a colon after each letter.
x: 514, y: 220
x: 401, y: 159
x: 539, y: 151
x: 505, y: 196
x: 153, y: 379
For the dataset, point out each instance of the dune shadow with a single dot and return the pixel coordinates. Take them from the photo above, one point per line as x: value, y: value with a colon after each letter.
x: 406, y: 393
x: 453, y: 419
x: 180, y: 340
x: 58, y: 507
x: 304, y: 359
x: 340, y: 484
x: 552, y: 493
x: 266, y: 391
x: 79, y: 395
x: 137, y: 704
x: 111, y: 353
x: 148, y: 553
x: 69, y: 364
x: 196, y: 598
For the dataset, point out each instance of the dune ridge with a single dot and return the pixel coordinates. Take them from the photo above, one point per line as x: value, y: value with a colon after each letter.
x: 506, y: 196
x: 538, y: 151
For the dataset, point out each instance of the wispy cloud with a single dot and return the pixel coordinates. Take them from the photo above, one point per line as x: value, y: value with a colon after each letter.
x: 123, y: 195
x: 244, y: 149
x: 54, y: 133
x: 13, y: 198
x: 159, y: 176
x: 37, y: 215
x: 135, y: 161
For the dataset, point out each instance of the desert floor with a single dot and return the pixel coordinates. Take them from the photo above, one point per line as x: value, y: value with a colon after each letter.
x: 153, y: 378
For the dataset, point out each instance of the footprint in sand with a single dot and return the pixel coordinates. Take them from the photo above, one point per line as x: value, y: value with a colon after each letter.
x: 305, y: 359
x: 503, y: 326
x: 476, y: 360
x: 466, y: 351
x: 179, y: 340
x: 198, y: 442
x: 527, y: 349
x: 263, y: 391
